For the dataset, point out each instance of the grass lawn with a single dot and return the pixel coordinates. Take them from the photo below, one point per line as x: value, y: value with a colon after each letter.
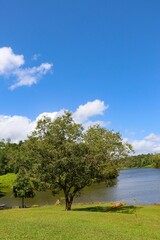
x: 7, y: 180
x: 83, y: 222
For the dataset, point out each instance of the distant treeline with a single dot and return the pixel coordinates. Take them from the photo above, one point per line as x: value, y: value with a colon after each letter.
x: 10, y: 160
x: 140, y: 161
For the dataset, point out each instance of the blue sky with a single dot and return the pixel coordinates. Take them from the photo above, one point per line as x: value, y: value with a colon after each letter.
x: 101, y: 55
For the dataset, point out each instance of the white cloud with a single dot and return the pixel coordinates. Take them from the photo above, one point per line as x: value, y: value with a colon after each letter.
x: 15, y: 127
x: 11, y: 67
x: 90, y: 109
x: 30, y: 76
x: 153, y: 137
x: 149, y: 144
x: 9, y: 61
x: 51, y: 115
x: 18, y: 127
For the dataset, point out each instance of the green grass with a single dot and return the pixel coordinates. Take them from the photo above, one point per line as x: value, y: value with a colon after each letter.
x: 7, y: 180
x: 83, y: 222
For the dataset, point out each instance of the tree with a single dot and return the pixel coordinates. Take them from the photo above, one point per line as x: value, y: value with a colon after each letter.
x: 9, y: 157
x: 4, y: 168
x: 23, y: 187
x: 105, y: 149
x: 65, y: 158
x: 1, y: 192
x: 14, y: 154
x: 156, y: 159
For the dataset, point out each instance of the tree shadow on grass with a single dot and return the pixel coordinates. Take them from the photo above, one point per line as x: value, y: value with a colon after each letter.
x: 121, y: 209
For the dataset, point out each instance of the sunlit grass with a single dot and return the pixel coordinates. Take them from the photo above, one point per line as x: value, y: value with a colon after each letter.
x: 83, y: 222
x: 7, y: 180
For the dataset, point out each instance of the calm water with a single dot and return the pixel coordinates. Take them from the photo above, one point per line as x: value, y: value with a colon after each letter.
x: 134, y: 186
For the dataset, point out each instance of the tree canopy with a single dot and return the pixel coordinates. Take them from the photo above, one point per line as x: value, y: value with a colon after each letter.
x: 23, y: 187
x: 67, y: 158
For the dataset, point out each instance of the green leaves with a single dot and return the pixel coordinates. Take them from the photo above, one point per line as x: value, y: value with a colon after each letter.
x: 67, y: 158
x: 23, y: 186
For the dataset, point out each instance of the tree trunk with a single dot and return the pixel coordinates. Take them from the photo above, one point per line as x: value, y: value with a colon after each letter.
x: 23, y: 206
x: 69, y: 202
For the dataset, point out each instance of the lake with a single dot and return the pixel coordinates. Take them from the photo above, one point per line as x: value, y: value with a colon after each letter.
x: 134, y: 186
